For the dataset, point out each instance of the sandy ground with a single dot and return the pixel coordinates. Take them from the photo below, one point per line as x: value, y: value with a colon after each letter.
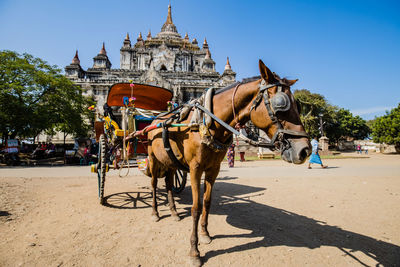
x: 264, y: 213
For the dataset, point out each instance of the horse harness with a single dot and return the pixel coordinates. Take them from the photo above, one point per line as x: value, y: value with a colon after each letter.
x: 280, y: 102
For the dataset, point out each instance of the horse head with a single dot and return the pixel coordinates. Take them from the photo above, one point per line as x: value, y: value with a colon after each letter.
x: 276, y: 112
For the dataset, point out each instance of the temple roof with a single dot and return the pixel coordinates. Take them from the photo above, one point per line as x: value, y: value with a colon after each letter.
x: 127, y: 41
x: 207, y: 58
x: 205, y: 44
x: 169, y: 30
x: 76, y: 60
x: 169, y: 16
x: 103, y: 50
x: 228, y: 70
x: 228, y: 65
x: 186, y: 37
x: 102, y: 55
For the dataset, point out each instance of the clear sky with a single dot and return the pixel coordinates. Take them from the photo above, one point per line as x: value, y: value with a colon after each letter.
x: 348, y: 51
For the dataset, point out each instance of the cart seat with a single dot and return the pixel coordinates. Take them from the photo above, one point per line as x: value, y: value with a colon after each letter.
x: 120, y: 132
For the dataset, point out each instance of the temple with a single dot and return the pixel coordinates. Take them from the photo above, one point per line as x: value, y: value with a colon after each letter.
x: 165, y: 60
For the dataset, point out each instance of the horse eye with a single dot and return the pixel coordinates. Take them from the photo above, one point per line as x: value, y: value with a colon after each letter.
x: 298, y: 106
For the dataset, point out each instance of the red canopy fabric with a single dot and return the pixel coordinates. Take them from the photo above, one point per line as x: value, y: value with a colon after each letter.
x: 147, y: 96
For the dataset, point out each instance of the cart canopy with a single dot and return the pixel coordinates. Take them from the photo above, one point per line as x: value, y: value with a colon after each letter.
x: 147, y: 96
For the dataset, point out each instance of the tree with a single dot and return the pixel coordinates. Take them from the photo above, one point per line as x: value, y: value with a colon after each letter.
x: 386, y: 129
x: 345, y: 125
x: 370, y: 123
x: 337, y: 122
x: 36, y: 97
x: 73, y: 117
x: 313, y: 106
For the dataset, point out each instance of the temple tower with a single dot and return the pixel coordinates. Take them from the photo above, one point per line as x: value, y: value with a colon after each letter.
x: 164, y: 59
x: 101, y: 61
x: 74, y: 69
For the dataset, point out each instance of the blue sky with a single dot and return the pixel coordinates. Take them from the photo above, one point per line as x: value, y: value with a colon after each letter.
x: 348, y: 51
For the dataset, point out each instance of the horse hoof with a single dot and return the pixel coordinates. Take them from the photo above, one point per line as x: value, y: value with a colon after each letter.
x: 204, y: 239
x: 195, y: 261
x: 155, y: 218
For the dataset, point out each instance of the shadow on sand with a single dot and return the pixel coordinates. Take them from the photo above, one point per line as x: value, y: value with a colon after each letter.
x: 276, y: 227
x: 4, y: 213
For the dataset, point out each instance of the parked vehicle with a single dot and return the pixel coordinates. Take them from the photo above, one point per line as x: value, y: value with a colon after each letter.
x: 10, y: 154
x: 138, y: 105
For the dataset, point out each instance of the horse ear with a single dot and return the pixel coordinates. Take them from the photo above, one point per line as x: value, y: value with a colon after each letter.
x: 291, y: 82
x: 266, y: 73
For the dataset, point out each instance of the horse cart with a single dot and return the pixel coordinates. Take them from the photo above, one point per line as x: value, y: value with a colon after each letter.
x: 130, y: 108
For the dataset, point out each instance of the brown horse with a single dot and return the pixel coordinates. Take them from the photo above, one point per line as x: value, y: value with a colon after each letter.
x: 271, y: 107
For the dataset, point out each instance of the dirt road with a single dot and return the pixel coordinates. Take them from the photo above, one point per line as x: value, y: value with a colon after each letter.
x: 264, y: 213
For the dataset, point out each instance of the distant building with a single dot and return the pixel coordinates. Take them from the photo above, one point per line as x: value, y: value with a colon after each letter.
x: 165, y: 60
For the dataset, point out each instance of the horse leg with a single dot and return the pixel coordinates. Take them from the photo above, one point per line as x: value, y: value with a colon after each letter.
x: 168, y: 182
x: 154, y: 214
x: 195, y: 177
x: 209, y: 180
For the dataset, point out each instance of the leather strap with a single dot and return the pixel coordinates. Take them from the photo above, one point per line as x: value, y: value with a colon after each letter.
x: 263, y: 93
x: 168, y: 149
x: 237, y: 123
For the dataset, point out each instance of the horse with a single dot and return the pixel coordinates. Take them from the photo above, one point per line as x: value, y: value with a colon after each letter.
x: 267, y: 102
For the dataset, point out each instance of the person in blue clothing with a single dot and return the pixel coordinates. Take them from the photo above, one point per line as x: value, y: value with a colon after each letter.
x: 315, y: 158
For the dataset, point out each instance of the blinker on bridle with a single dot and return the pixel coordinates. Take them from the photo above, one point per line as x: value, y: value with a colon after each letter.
x: 280, y: 102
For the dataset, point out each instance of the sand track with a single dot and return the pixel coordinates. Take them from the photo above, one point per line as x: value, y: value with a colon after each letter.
x: 263, y: 213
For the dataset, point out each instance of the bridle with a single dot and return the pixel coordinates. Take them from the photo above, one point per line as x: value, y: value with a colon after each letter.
x: 280, y: 102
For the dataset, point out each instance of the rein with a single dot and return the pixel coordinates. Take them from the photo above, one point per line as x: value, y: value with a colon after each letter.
x: 278, y: 137
x: 269, y: 103
x: 237, y: 124
x: 277, y: 141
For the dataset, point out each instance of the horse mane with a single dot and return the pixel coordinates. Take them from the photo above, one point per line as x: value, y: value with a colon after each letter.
x: 245, y: 80
x: 283, y: 81
x: 251, y: 79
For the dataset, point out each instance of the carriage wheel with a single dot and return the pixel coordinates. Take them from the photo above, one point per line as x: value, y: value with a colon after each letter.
x: 179, y: 182
x: 101, y: 168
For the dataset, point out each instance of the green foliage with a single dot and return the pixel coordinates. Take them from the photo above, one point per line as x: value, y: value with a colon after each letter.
x: 338, y: 122
x: 370, y: 123
x: 36, y: 97
x: 312, y: 107
x: 347, y: 125
x: 386, y: 129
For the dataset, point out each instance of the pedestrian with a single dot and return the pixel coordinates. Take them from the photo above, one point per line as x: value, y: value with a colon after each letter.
x: 315, y: 158
x: 231, y: 155
x: 241, y: 153
x: 358, y: 149
x: 241, y: 147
